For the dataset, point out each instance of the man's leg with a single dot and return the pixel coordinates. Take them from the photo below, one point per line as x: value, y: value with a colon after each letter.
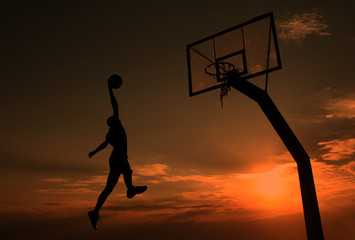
x: 132, y: 190
x: 111, y: 183
x: 127, y: 177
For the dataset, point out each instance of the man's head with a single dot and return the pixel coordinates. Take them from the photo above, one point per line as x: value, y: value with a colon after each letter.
x: 112, y: 121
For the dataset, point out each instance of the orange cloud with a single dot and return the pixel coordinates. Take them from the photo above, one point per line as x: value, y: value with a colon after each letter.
x: 341, y: 107
x: 338, y: 149
x: 192, y: 195
x: 194, y: 178
x: 61, y: 186
x: 299, y: 26
x: 335, y: 185
x: 330, y: 104
x: 219, y: 194
x: 350, y: 167
x: 55, y: 180
x: 265, y: 193
x: 151, y: 169
x: 65, y: 191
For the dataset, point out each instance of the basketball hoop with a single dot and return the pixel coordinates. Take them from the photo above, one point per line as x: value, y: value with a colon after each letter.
x: 224, y: 72
x: 219, y: 69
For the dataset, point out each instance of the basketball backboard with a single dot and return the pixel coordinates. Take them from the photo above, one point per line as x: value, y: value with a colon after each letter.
x: 249, y: 49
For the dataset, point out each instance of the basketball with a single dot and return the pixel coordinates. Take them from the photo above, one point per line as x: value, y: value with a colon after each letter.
x: 115, y: 81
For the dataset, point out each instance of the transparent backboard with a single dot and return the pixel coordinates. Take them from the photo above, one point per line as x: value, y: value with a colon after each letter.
x: 250, y: 48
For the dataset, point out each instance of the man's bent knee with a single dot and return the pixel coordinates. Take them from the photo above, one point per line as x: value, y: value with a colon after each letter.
x: 127, y: 172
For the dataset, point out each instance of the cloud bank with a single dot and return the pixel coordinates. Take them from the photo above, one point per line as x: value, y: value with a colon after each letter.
x: 297, y: 27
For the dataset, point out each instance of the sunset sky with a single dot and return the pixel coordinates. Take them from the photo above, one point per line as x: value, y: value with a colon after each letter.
x: 212, y: 173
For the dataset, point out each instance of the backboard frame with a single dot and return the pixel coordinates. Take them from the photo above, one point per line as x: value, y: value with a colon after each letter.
x: 212, y: 37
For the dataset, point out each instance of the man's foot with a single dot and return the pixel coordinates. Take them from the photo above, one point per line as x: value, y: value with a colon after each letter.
x: 136, y: 190
x: 94, y: 217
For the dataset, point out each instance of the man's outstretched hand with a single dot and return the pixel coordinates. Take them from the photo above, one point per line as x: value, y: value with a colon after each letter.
x: 91, y: 154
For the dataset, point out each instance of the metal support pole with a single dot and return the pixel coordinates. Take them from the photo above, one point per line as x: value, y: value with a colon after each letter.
x: 308, y: 191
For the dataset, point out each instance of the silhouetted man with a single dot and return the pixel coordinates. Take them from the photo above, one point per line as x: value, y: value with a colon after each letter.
x: 117, y: 137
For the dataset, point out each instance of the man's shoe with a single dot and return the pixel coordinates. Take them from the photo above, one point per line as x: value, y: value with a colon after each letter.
x: 94, y: 217
x: 136, y: 190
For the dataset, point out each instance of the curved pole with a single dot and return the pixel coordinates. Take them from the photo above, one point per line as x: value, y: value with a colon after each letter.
x: 308, y: 191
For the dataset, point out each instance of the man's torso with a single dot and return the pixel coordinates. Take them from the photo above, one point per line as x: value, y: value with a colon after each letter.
x: 118, y: 139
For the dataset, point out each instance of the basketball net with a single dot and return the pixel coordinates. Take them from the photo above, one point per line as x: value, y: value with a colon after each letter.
x: 225, y: 89
x: 229, y: 74
x: 228, y: 78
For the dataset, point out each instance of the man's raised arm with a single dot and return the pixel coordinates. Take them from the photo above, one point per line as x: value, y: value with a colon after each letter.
x: 113, y: 103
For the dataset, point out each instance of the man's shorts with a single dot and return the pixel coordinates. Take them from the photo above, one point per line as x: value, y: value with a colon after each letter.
x: 119, y: 164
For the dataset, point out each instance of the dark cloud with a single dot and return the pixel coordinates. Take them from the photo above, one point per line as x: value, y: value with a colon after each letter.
x: 32, y: 227
x: 290, y: 227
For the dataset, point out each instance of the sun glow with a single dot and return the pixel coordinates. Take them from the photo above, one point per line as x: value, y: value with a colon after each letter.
x: 269, y: 184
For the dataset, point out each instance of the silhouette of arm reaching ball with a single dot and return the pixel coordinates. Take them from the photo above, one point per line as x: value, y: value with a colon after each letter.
x: 99, y: 148
x: 113, y: 102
